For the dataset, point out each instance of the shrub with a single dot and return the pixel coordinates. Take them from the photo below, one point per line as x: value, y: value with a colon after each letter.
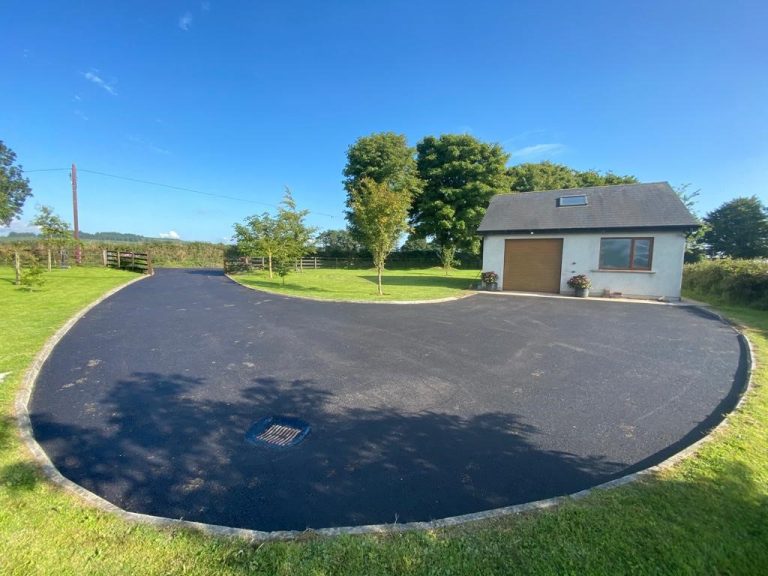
x: 580, y: 281
x: 31, y: 274
x: 489, y: 277
x: 732, y: 281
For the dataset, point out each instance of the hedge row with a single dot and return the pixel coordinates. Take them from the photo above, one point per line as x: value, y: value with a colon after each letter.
x: 186, y: 254
x: 732, y: 281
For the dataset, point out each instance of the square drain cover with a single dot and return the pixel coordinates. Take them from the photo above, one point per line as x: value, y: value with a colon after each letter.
x: 277, y: 432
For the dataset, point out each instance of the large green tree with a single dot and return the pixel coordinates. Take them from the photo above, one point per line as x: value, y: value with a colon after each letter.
x: 381, y: 214
x: 55, y: 231
x: 460, y: 175
x: 551, y: 176
x: 337, y: 242
x: 14, y: 188
x: 738, y: 228
x: 385, y: 158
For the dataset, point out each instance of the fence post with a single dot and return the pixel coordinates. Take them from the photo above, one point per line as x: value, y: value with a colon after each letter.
x: 17, y: 266
x: 150, y: 270
x: 119, y: 265
x: 104, y: 257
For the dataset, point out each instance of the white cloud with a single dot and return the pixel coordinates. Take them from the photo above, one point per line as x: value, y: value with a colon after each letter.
x: 18, y: 226
x: 80, y: 114
x: 99, y: 81
x: 172, y: 234
x: 148, y: 145
x: 527, y: 135
x: 205, y: 6
x: 539, y: 150
x: 185, y: 21
x: 158, y: 150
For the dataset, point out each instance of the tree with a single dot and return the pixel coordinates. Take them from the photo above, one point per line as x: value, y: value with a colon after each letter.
x: 381, y: 214
x: 385, y: 158
x: 295, y: 235
x: 415, y: 244
x: 739, y: 228
x: 337, y: 242
x: 687, y: 197
x: 460, y: 175
x: 283, y: 239
x: 259, y: 236
x: 14, y: 188
x: 56, y: 232
x: 695, y: 248
x: 541, y: 176
x: 547, y: 175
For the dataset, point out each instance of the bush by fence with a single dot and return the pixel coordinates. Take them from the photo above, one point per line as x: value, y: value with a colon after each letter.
x: 733, y: 281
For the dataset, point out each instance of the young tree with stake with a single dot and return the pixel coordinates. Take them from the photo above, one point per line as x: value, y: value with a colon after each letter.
x: 56, y: 233
x: 381, y: 214
x: 259, y: 236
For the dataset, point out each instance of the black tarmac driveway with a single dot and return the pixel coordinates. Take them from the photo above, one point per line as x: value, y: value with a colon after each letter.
x: 417, y: 412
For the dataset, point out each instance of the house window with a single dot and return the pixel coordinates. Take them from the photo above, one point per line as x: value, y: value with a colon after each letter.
x: 580, y: 200
x: 626, y: 253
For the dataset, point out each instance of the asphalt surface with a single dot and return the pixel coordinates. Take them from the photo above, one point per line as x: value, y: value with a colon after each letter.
x: 417, y: 412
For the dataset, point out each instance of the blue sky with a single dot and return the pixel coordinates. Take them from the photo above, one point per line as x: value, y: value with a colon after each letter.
x: 244, y: 98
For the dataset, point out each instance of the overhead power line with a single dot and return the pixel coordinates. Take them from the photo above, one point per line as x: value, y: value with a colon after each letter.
x: 169, y: 186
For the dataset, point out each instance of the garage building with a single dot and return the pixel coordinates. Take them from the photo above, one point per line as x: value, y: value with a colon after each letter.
x: 629, y: 239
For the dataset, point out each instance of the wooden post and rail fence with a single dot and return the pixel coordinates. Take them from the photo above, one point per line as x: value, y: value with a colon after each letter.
x: 125, y: 260
x: 247, y: 264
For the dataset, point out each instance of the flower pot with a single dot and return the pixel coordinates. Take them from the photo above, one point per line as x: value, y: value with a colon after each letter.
x: 492, y: 286
x: 582, y: 292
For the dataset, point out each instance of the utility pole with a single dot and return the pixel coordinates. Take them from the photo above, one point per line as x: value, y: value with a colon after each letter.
x: 78, y: 253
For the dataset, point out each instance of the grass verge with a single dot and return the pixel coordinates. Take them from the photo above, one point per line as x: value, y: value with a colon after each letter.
x: 340, y: 284
x: 707, y: 515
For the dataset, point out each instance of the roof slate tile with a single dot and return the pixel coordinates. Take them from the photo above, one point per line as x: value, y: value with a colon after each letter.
x: 624, y: 206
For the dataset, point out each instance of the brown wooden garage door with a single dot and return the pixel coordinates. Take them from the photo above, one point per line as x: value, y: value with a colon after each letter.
x: 533, y: 265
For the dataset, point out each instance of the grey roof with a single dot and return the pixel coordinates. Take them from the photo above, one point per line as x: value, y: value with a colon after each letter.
x: 625, y: 206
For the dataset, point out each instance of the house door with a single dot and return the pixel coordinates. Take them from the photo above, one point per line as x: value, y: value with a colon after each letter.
x: 533, y: 265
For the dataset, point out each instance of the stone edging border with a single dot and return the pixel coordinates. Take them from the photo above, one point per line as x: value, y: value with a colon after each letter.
x: 395, y: 302
x: 53, y: 474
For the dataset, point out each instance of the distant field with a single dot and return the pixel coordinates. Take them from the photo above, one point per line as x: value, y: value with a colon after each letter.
x: 332, y: 284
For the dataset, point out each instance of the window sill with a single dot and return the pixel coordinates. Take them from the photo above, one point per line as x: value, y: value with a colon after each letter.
x: 607, y: 271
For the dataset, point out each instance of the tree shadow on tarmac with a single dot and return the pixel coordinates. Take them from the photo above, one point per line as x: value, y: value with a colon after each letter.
x: 164, y: 446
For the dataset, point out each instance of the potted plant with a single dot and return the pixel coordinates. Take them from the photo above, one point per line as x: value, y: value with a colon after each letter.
x: 490, y: 280
x: 581, y: 283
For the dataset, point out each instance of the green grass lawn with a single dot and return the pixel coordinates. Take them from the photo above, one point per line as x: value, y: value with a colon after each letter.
x: 333, y: 284
x: 707, y: 515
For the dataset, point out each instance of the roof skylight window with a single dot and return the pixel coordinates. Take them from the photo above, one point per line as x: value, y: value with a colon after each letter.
x: 580, y: 200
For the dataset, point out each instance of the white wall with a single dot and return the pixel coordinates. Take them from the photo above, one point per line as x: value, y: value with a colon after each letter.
x: 581, y: 255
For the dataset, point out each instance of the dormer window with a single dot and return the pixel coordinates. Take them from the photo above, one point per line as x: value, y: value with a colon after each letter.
x: 580, y: 200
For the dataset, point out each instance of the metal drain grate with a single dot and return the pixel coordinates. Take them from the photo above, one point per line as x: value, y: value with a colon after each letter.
x: 277, y: 432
